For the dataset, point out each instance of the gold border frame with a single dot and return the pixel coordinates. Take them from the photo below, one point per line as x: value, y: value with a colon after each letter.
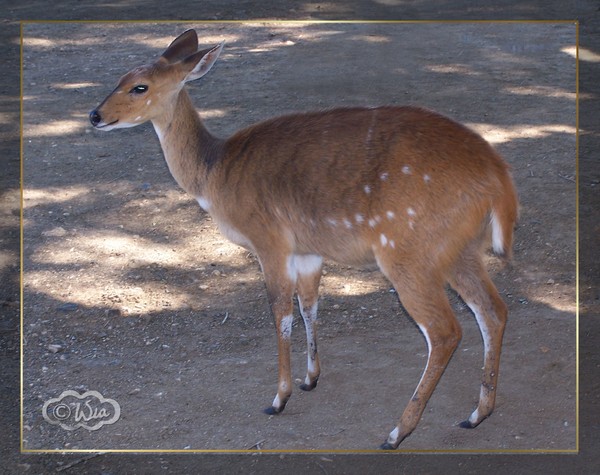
x: 252, y: 451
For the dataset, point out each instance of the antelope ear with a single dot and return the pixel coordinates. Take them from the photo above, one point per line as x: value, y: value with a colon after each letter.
x: 201, y: 62
x: 181, y: 47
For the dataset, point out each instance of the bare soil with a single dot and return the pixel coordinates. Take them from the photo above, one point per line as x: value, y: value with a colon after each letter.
x: 130, y: 291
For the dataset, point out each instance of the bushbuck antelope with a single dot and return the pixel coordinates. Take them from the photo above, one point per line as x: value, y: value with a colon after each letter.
x: 401, y: 187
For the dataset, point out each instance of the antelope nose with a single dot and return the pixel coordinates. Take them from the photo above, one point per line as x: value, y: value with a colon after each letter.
x: 95, y: 117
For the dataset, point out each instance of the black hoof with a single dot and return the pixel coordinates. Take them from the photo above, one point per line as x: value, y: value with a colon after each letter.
x: 271, y: 411
x: 467, y: 425
x: 308, y: 387
x: 387, y: 446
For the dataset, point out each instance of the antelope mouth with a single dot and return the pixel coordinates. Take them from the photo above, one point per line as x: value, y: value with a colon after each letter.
x: 107, y: 125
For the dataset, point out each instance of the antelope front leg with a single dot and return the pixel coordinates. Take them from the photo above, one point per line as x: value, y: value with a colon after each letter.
x: 313, y: 367
x: 280, y: 291
x: 309, y: 276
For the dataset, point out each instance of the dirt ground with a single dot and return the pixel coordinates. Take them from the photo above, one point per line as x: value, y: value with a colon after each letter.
x: 130, y: 291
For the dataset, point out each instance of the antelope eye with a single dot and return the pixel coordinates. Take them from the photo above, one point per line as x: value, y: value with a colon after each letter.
x: 141, y: 89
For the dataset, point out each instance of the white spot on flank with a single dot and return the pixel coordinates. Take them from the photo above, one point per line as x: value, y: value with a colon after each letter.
x: 138, y: 118
x: 390, y: 215
x: 285, y: 327
x: 347, y: 223
x: 332, y: 221
x: 359, y: 218
x: 392, y: 244
x: 148, y: 102
x: 406, y: 170
x: 372, y: 222
x: 367, y: 189
x: 410, y: 211
x: 411, y: 224
x: 384, y: 176
x: 426, y: 178
x: 204, y: 203
x: 383, y: 239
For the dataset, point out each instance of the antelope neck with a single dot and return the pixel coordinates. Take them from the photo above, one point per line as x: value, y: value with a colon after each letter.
x: 189, y: 148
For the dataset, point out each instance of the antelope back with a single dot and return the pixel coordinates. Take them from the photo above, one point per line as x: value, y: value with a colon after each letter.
x: 342, y: 182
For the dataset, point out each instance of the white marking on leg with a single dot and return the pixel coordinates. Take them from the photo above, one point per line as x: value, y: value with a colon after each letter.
x: 497, y: 238
x: 310, y: 317
x: 474, y: 417
x: 426, y: 335
x: 393, y: 437
x: 276, y: 402
x: 285, y: 327
x: 482, y: 327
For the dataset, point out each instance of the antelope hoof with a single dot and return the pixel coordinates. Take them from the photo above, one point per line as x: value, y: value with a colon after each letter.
x: 271, y: 411
x: 277, y: 406
x: 309, y: 387
x: 387, y: 446
x: 478, y: 420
